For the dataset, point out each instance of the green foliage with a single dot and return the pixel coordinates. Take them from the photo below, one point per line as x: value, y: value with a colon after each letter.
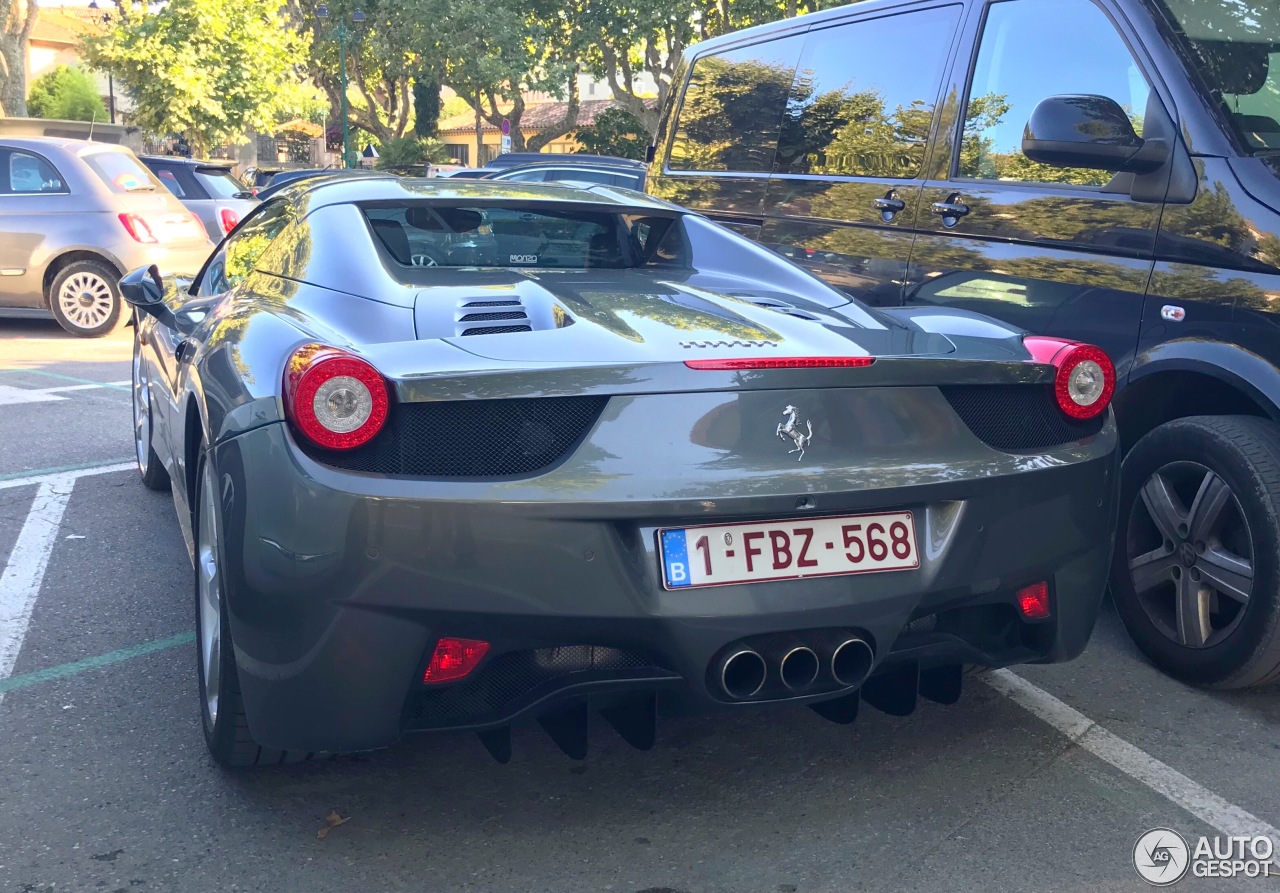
x: 66, y: 93
x: 426, y: 105
x: 210, y: 69
x: 411, y: 150
x: 615, y: 132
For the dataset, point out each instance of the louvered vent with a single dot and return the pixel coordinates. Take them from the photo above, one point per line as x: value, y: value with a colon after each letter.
x: 492, y: 317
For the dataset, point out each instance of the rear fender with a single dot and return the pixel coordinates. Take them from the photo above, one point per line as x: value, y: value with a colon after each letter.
x: 1245, y: 371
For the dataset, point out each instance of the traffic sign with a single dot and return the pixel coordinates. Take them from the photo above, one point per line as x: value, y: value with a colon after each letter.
x: 506, y: 126
x: 506, y: 144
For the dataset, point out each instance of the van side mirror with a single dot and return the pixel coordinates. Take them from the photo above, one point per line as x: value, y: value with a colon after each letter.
x: 1090, y: 132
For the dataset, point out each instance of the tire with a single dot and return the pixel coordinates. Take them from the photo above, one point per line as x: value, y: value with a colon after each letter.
x: 152, y: 470
x: 1196, y: 572
x: 226, y: 728
x: 85, y: 298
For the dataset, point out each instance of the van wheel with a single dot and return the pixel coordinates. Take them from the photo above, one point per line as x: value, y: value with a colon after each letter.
x: 1196, y: 573
x: 226, y: 729
x: 85, y: 298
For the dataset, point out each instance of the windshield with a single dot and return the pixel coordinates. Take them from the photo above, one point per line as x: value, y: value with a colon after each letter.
x: 121, y: 171
x: 1236, y: 45
x: 426, y: 235
x: 218, y: 182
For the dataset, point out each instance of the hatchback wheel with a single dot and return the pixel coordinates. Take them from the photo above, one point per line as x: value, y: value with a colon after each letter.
x: 1196, y: 576
x: 85, y: 298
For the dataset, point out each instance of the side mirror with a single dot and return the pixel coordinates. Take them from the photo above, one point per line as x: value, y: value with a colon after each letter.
x: 1090, y: 132
x: 143, y: 288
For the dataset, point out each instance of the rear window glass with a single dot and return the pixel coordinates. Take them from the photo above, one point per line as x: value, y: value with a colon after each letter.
x: 218, y: 182
x: 121, y: 172
x: 171, y: 182
x: 425, y: 235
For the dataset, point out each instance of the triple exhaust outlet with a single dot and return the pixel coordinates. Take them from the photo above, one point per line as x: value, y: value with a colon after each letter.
x: 744, y: 672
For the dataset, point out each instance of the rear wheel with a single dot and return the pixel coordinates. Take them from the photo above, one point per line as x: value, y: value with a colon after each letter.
x: 226, y: 729
x: 85, y: 298
x: 150, y: 467
x: 1196, y: 575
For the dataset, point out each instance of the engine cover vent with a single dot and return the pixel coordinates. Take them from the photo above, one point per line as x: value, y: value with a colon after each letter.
x: 472, y: 320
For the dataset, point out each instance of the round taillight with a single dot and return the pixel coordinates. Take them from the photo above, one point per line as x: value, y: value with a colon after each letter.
x: 335, y: 399
x: 229, y: 219
x: 1086, y: 377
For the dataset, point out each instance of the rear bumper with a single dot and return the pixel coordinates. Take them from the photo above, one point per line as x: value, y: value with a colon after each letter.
x: 338, y: 585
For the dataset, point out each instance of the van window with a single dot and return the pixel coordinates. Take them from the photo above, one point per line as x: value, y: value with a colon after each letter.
x: 25, y: 174
x: 1237, y: 48
x: 732, y: 107
x: 855, y: 108
x: 1031, y: 50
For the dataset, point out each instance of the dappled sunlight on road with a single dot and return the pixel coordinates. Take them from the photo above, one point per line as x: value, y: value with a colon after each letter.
x: 37, y: 343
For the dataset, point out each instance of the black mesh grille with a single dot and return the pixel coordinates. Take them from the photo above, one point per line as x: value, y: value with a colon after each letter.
x: 491, y: 304
x: 505, y: 438
x: 1017, y: 417
x: 505, y: 314
x: 519, y: 677
x: 496, y: 330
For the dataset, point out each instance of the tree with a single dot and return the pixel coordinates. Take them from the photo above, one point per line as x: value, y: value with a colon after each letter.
x: 210, y: 69
x: 615, y: 132
x: 19, y: 17
x: 411, y: 150
x: 66, y: 93
x: 426, y: 104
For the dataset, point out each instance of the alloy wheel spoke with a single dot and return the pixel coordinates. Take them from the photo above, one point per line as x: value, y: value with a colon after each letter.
x: 1152, y: 569
x: 1230, y: 574
x: 1194, y: 628
x: 1164, y: 506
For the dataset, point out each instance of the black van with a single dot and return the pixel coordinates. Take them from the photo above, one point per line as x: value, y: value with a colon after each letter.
x: 1107, y: 170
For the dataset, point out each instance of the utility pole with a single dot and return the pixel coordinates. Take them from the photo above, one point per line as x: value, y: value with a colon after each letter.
x: 357, y: 17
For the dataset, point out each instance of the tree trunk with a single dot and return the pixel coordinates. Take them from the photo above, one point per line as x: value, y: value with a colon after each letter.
x: 19, y: 17
x: 479, y: 162
x: 565, y: 125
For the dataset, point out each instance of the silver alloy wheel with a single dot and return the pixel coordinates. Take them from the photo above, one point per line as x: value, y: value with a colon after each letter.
x: 141, y: 412
x: 85, y: 300
x: 1192, y: 568
x: 209, y: 592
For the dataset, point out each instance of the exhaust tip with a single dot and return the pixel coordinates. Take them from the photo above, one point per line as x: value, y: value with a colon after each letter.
x: 743, y: 674
x: 799, y: 668
x: 851, y: 662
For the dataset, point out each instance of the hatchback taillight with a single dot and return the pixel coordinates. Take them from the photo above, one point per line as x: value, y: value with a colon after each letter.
x: 1085, y: 379
x: 136, y: 226
x: 334, y: 399
x: 162, y: 228
x: 229, y: 219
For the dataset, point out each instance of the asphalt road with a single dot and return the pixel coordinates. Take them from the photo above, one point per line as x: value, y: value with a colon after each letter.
x: 105, y: 785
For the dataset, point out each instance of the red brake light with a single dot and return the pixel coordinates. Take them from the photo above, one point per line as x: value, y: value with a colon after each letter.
x: 333, y: 398
x: 454, y: 659
x: 137, y: 228
x: 1033, y: 601
x: 783, y: 363
x: 1086, y: 377
x: 229, y: 219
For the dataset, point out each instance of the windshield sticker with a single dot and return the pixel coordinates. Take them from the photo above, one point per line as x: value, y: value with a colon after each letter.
x: 523, y: 259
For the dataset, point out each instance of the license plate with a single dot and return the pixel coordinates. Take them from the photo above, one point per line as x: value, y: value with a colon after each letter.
x: 721, y: 554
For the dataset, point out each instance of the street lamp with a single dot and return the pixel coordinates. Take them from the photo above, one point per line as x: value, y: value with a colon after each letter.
x: 357, y: 18
x: 111, y: 84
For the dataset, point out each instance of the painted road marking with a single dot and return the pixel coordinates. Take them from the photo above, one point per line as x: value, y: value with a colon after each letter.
x: 1196, y: 799
x: 84, y: 387
x: 42, y: 476
x: 125, y: 385
x: 20, y: 582
x: 62, y: 671
x: 10, y: 395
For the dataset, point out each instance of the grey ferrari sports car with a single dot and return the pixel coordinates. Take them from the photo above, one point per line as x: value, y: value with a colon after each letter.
x: 450, y: 454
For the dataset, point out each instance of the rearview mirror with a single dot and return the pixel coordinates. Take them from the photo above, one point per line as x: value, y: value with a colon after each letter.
x: 1091, y: 132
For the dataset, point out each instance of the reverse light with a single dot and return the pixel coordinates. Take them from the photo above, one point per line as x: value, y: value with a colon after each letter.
x: 454, y: 659
x: 1033, y: 601
x: 783, y: 363
x: 335, y: 399
x: 228, y: 218
x: 1086, y: 377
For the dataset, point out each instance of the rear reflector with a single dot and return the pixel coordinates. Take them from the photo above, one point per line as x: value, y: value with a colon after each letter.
x: 1033, y: 601
x: 783, y: 363
x: 454, y: 659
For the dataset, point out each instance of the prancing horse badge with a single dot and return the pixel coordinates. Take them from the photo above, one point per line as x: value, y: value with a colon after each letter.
x: 789, y: 429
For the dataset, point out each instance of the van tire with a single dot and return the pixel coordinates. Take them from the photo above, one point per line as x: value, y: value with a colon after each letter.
x: 85, y: 298
x: 1217, y: 639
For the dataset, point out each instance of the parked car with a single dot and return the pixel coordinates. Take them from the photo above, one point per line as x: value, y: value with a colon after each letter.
x: 467, y: 173
x: 611, y: 175
x: 284, y: 178
x: 600, y: 448
x: 1104, y: 170
x: 257, y: 177
x: 74, y: 216
x: 511, y: 159
x: 206, y: 189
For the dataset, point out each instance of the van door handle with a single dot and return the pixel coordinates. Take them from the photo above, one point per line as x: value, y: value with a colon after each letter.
x: 951, y: 210
x: 890, y: 205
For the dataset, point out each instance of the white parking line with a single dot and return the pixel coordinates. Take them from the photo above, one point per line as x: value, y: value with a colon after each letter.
x: 20, y: 582
x: 36, y: 479
x: 1196, y: 799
